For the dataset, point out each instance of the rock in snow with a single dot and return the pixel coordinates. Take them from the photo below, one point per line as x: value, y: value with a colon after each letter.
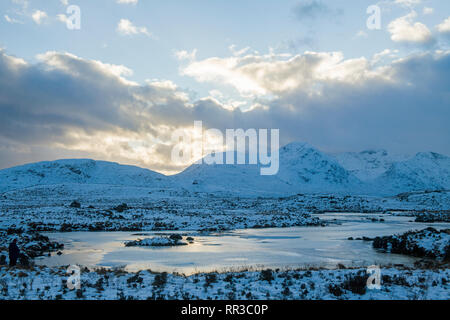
x: 429, y: 243
x: 158, y: 242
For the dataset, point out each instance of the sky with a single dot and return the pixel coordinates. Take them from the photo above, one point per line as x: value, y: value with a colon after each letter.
x: 135, y: 71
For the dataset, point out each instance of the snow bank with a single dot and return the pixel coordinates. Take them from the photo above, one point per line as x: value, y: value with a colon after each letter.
x: 346, y: 284
x: 161, y: 241
x: 429, y: 243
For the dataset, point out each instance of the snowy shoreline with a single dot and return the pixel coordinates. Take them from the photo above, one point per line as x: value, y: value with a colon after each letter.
x: 43, y: 283
x: 114, y: 208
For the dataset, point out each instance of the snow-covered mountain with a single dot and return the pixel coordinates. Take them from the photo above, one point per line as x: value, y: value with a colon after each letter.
x: 425, y: 171
x: 243, y: 179
x: 369, y: 164
x: 308, y: 169
x: 80, y: 171
x: 303, y: 169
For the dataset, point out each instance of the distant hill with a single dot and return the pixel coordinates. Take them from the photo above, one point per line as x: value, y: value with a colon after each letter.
x: 81, y: 171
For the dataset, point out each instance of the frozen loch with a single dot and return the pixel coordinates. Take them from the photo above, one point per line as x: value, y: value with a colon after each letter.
x: 296, y: 247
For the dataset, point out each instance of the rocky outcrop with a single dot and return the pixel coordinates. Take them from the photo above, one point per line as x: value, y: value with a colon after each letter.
x: 429, y: 243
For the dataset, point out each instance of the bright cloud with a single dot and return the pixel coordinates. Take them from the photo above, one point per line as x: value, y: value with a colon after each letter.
x: 127, y: 28
x: 427, y: 10
x: 408, y: 3
x: 11, y: 20
x: 39, y: 16
x: 72, y: 64
x: 405, y: 30
x: 259, y: 75
x: 127, y: 1
x: 185, y: 55
x: 444, y: 27
x: 62, y: 18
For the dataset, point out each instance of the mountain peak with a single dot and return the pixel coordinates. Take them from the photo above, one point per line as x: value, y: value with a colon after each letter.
x: 372, y: 152
x: 297, y: 146
x: 431, y: 155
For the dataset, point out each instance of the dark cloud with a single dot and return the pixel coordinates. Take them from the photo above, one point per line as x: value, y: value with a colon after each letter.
x: 310, y: 9
x: 407, y: 115
x: 313, y: 9
x: 41, y: 104
x: 44, y: 106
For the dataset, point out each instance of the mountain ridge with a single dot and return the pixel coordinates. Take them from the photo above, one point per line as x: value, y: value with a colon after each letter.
x: 303, y: 169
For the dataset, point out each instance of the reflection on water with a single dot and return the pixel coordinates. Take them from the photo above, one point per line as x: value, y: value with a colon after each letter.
x: 274, y: 248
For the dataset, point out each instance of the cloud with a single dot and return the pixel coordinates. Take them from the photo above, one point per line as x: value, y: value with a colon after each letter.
x: 279, y: 74
x: 127, y: 1
x: 408, y: 3
x: 310, y: 9
x: 361, y: 34
x: 39, y: 16
x: 80, y: 106
x: 127, y: 28
x: 238, y: 52
x: 78, y: 67
x: 444, y: 27
x: 338, y: 103
x: 405, y: 30
x: 11, y: 20
x: 427, y: 10
x: 185, y: 55
x: 22, y: 3
x: 67, y: 106
x: 385, y: 54
x: 62, y: 18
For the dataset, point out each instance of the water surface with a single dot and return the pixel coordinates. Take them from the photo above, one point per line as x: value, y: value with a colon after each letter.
x: 255, y: 248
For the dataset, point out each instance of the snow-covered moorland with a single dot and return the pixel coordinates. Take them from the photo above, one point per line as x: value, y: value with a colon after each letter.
x: 51, y: 283
x: 48, y: 208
